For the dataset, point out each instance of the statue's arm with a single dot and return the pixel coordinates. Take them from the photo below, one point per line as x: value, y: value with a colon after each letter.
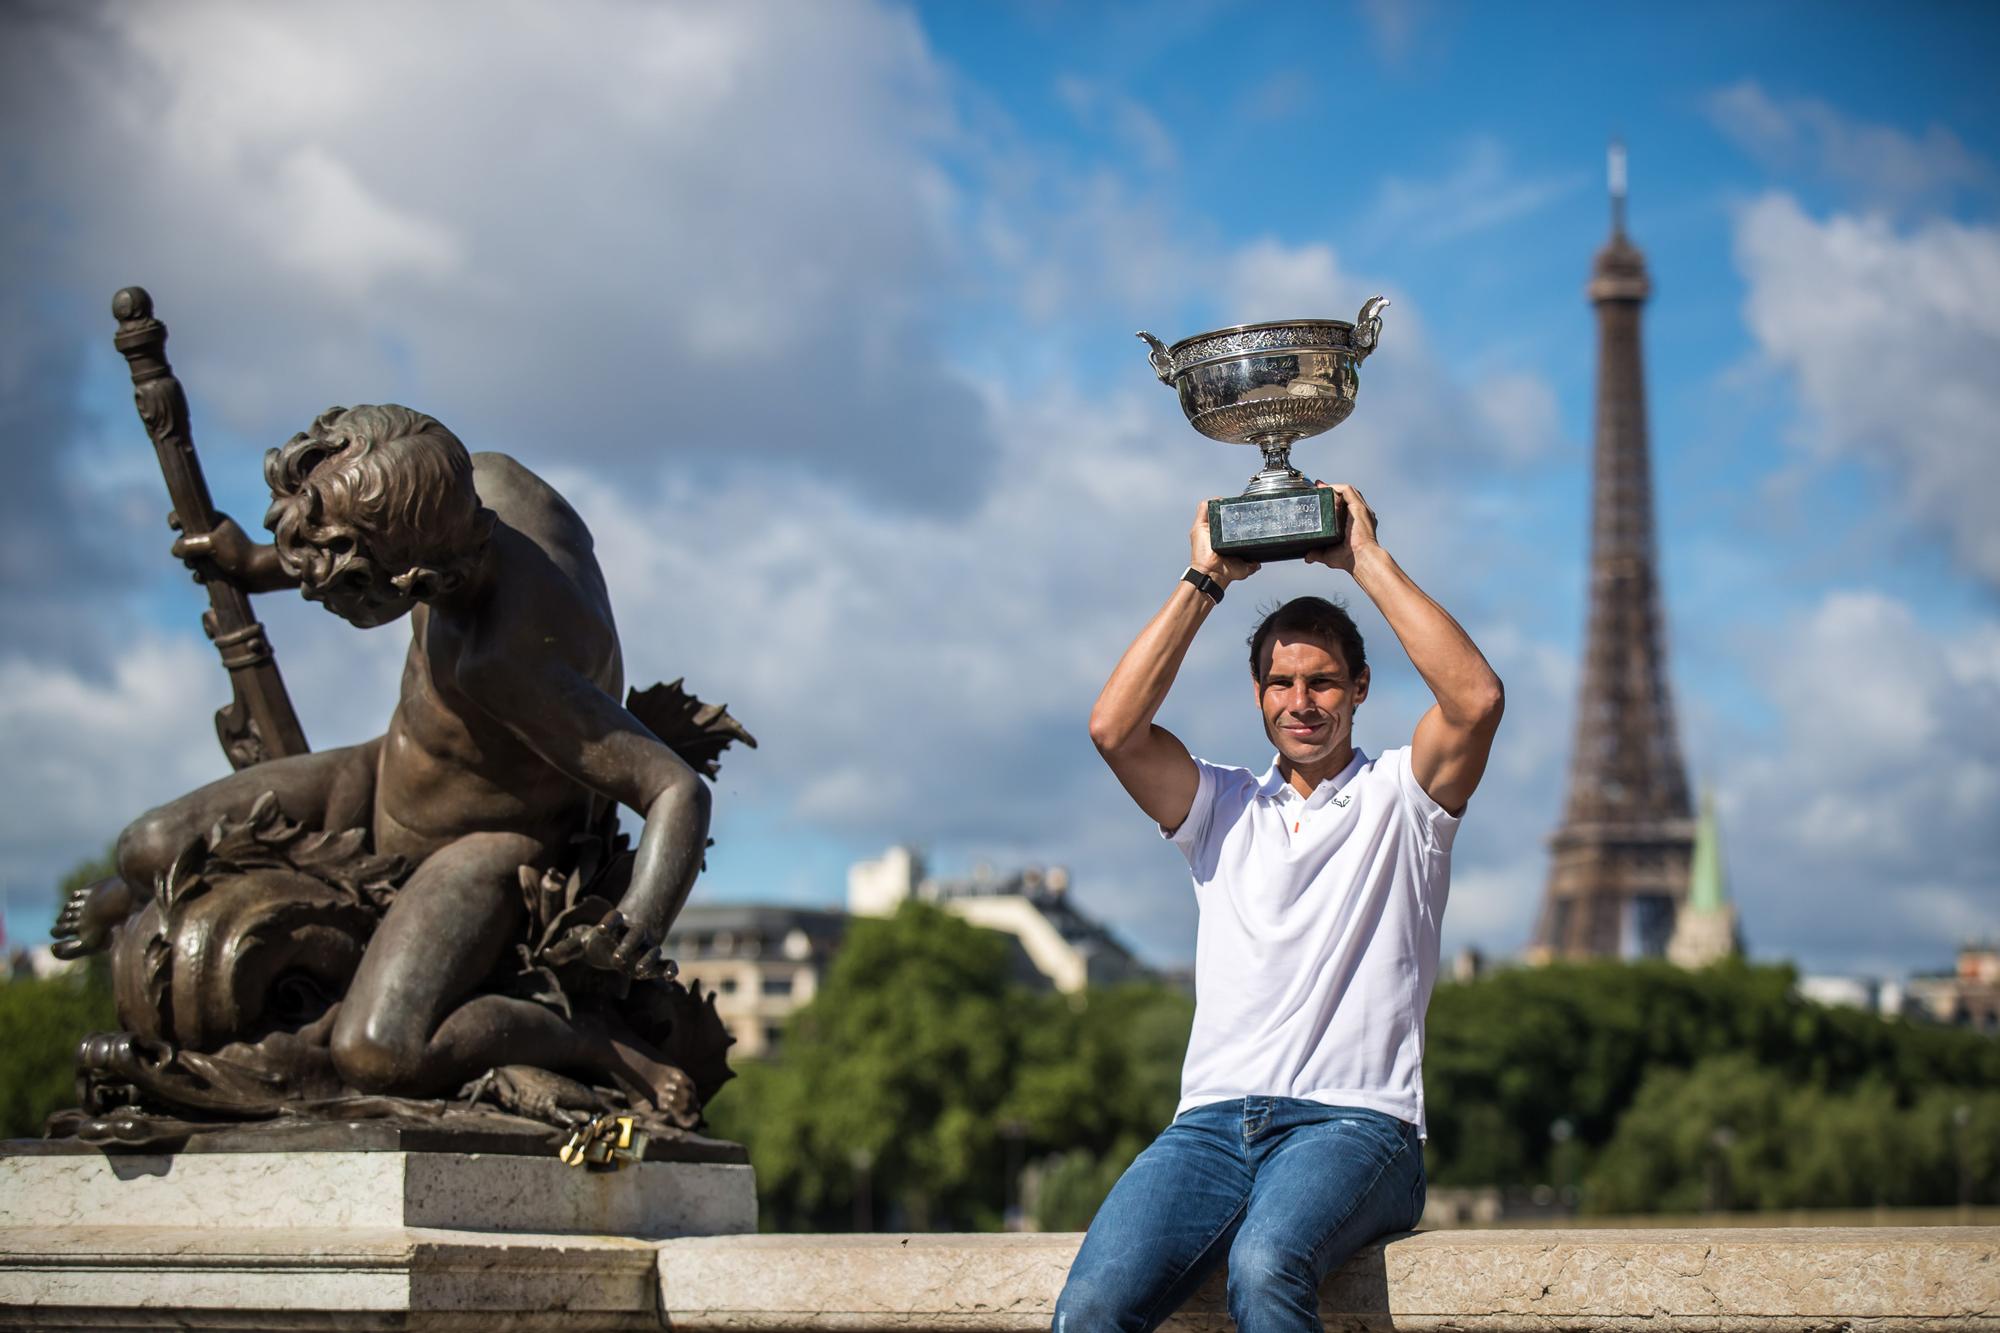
x: 226, y: 552
x: 583, y: 732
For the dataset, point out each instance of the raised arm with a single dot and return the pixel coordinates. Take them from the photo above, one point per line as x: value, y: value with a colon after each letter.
x: 1149, y: 760
x: 1455, y: 735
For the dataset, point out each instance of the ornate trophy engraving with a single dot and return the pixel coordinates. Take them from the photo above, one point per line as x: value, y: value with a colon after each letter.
x: 1272, y: 385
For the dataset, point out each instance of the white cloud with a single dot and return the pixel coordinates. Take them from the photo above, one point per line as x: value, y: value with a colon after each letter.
x: 91, y: 753
x: 328, y: 224
x: 1877, y: 164
x: 1484, y: 190
x: 1891, y: 335
x: 1864, y: 829
x: 709, y: 232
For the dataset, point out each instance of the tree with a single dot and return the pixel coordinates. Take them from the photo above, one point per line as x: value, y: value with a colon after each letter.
x: 890, y: 1079
x: 920, y: 1078
x: 41, y: 1022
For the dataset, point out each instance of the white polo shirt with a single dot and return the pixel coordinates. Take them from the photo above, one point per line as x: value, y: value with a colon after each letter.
x: 1318, y: 942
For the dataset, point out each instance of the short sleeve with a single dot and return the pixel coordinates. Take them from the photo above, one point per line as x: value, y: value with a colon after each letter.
x: 1193, y: 832
x: 1437, y: 825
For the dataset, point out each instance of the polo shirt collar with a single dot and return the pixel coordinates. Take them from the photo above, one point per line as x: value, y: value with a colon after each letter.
x: 1272, y: 785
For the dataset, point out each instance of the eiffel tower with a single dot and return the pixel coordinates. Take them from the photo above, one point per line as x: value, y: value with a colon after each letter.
x: 1620, y: 859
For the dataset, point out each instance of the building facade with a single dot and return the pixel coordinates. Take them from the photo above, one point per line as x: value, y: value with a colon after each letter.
x: 761, y: 962
x: 1065, y: 948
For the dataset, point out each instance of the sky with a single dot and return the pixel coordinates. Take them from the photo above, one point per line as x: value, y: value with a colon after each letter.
x: 821, y: 314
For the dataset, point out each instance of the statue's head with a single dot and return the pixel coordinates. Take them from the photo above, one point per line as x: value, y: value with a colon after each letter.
x: 374, y: 510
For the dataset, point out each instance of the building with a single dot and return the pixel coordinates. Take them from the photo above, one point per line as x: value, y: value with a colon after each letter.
x: 1705, y: 929
x: 1968, y: 997
x: 1619, y: 861
x: 1066, y: 948
x: 1869, y: 994
x: 761, y: 962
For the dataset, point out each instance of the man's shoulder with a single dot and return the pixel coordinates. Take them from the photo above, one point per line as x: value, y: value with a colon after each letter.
x: 1228, y: 784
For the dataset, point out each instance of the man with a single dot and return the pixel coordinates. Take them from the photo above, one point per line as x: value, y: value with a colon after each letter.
x: 1320, y: 887
x: 508, y: 739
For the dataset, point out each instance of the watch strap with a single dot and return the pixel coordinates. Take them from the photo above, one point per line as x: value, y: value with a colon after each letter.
x: 1203, y: 584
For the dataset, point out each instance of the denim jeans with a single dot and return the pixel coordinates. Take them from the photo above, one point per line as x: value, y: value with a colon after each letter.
x: 1284, y: 1189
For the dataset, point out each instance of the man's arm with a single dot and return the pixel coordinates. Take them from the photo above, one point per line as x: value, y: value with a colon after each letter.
x: 1455, y: 735
x: 1149, y: 760
x: 565, y: 718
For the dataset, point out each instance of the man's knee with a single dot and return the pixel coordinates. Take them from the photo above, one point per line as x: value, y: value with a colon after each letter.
x: 1264, y: 1272
x: 1091, y: 1306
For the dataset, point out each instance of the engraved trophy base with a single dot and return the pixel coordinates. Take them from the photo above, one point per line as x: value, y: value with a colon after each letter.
x: 1280, y: 526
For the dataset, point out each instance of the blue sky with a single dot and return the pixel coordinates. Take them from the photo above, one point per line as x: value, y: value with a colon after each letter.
x: 822, y: 315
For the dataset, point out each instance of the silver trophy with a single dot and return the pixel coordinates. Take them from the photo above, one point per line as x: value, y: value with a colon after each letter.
x: 1272, y: 385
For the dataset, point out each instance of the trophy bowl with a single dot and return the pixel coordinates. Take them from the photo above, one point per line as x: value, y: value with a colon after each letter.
x: 1271, y: 385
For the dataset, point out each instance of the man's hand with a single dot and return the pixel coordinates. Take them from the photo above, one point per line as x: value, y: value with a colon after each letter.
x: 1360, y: 531
x: 1222, y: 568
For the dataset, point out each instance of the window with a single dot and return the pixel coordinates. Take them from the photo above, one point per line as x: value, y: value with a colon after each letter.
x: 778, y: 985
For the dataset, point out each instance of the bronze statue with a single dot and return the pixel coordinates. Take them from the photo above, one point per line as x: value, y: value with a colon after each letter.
x: 447, y: 910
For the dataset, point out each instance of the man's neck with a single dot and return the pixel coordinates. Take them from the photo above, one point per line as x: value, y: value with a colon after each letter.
x: 1305, y: 778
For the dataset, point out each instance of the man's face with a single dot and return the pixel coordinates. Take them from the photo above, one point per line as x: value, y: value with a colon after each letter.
x: 1308, y: 700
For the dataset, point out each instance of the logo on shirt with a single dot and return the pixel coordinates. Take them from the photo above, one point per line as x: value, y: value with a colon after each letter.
x: 1341, y: 800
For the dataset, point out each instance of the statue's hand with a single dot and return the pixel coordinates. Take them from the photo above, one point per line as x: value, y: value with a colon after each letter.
x: 618, y: 945
x: 225, y: 551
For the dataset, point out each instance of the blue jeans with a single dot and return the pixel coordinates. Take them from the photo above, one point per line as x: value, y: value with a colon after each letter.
x: 1284, y: 1189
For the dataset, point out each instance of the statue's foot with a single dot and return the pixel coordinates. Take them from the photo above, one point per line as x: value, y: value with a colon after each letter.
x: 670, y: 1091
x: 88, y: 914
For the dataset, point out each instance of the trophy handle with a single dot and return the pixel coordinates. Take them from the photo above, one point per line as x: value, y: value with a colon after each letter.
x: 1368, y: 325
x: 1163, y: 365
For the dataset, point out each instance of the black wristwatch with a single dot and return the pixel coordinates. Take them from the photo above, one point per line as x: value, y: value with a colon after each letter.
x: 1203, y: 584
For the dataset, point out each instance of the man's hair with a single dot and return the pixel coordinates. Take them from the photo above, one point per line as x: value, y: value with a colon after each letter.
x: 379, y: 491
x: 1314, y: 616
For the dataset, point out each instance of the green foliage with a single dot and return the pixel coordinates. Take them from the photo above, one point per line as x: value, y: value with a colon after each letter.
x: 41, y: 1022
x: 1645, y: 1061
x: 920, y: 1078
x: 1732, y: 1134
x: 1073, y: 1185
x: 920, y: 1075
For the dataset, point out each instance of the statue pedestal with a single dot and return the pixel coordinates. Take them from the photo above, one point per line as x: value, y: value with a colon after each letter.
x: 374, y: 1234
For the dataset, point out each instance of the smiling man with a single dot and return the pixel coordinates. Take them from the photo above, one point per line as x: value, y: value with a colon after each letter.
x: 1321, y: 886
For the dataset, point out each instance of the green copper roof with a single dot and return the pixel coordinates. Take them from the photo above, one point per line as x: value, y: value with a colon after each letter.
x: 1707, y: 890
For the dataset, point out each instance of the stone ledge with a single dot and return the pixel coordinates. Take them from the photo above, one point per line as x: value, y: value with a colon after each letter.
x: 1718, y: 1281
x: 1722, y: 1280
x: 316, y: 1191
x: 335, y: 1278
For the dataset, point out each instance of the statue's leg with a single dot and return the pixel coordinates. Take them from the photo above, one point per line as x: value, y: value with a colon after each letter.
x: 407, y: 1027
x: 331, y: 790
x: 334, y: 789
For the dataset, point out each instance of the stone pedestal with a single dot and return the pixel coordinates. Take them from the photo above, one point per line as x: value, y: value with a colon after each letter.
x: 369, y: 1234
